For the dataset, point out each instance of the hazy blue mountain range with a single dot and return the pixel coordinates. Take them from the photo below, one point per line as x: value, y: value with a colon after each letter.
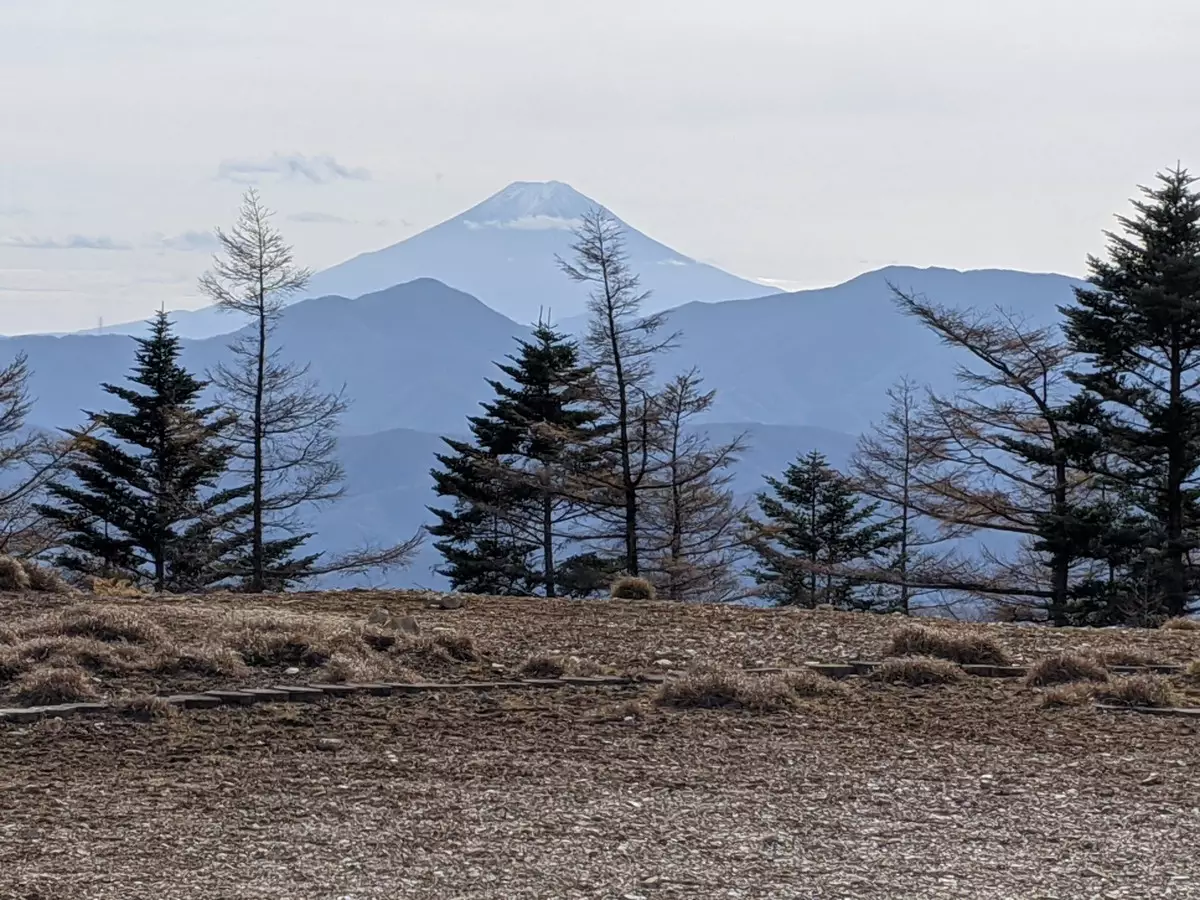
x: 503, y: 252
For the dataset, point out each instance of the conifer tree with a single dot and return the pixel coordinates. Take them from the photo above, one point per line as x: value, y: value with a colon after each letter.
x: 816, y: 523
x: 1138, y: 331
x: 513, y: 513
x: 144, y: 502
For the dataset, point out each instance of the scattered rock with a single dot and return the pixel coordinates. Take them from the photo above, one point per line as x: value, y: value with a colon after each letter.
x: 291, y: 670
x: 449, y: 601
x: 378, y: 616
x: 1153, y: 778
x: 663, y: 663
x: 330, y: 744
x: 407, y: 624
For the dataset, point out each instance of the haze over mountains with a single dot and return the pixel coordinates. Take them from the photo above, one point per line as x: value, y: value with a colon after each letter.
x: 797, y: 371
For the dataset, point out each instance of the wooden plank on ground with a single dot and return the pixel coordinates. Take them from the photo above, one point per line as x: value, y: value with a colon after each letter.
x: 194, y: 701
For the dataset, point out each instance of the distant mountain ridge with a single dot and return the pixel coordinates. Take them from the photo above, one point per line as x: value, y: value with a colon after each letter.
x: 503, y: 252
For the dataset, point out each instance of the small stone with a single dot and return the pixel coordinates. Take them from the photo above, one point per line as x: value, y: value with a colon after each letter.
x: 330, y: 744
x: 1153, y: 778
x: 450, y: 601
x: 291, y: 670
x: 378, y: 616
x: 663, y: 663
x: 407, y: 624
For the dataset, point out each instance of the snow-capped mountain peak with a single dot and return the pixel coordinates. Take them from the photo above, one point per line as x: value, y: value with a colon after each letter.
x: 530, y: 206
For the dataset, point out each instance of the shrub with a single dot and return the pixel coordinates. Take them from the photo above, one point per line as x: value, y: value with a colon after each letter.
x: 12, y: 575
x: 1064, y: 695
x: 1182, y: 623
x: 1064, y: 668
x: 109, y: 624
x: 145, y: 707
x: 49, y: 685
x: 1138, y: 690
x: 43, y: 578
x: 964, y: 649
x: 917, y: 671
x: 630, y: 588
x: 717, y: 688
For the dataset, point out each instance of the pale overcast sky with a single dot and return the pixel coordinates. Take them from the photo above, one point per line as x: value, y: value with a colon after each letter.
x: 780, y: 139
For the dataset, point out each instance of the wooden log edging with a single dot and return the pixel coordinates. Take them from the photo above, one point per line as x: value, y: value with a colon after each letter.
x: 1182, y: 712
x: 312, y: 693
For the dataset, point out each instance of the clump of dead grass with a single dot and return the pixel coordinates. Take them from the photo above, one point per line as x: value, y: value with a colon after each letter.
x: 1138, y: 690
x: 343, y: 668
x: 808, y: 684
x: 82, y: 652
x: 118, y: 588
x: 458, y: 646
x: 1125, y: 656
x: 12, y: 575
x: 109, y: 624
x: 721, y: 688
x: 1181, y: 623
x: 917, y: 671
x: 628, y: 587
x: 961, y: 648
x: 43, y: 578
x: 8, y: 636
x: 145, y: 707
x: 1078, y: 693
x: 51, y: 685
x: 1064, y: 668
x: 201, y: 659
x: 548, y: 665
x: 270, y: 641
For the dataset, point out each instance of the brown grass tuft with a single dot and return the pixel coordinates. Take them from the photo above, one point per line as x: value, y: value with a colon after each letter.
x: 1064, y: 668
x: 544, y: 665
x: 1181, y: 623
x: 343, y: 668
x: 964, y: 649
x: 917, y: 671
x: 378, y: 638
x: 109, y: 624
x: 11, y: 664
x: 628, y: 587
x: 50, y: 685
x: 1125, y: 657
x: 1065, y: 695
x: 8, y: 636
x: 82, y: 652
x: 12, y: 575
x: 459, y: 646
x: 145, y: 707
x: 807, y: 684
x: 44, y: 579
x: 117, y: 588
x: 201, y: 659
x: 277, y: 641
x: 1138, y: 690
x: 719, y: 688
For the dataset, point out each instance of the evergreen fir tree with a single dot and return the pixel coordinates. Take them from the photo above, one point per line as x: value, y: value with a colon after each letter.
x: 144, y: 501
x: 816, y: 524
x: 512, y: 513
x: 1138, y: 331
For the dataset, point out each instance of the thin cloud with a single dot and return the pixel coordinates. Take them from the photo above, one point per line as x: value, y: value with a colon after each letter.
x: 319, y: 218
x: 290, y: 167
x: 70, y: 242
x: 14, y: 212
x: 185, y: 242
x: 528, y: 223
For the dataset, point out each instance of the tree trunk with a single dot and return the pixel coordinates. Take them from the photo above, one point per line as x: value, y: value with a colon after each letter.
x: 548, y: 544
x: 258, y: 564
x: 1176, y: 591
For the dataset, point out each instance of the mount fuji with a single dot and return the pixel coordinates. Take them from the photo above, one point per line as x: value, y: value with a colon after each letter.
x: 503, y: 251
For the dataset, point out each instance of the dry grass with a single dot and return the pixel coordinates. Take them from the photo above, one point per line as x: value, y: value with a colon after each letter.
x: 1063, y: 696
x: 1138, y: 690
x: 458, y: 646
x: 145, y: 707
x: 202, y: 659
x: 12, y: 575
x: 116, y: 588
x: 44, y: 579
x: 721, y: 688
x: 343, y: 668
x: 808, y: 684
x: 8, y: 635
x: 1064, y: 668
x: 55, y: 684
x: 108, y: 624
x: 964, y: 649
x: 1124, y: 656
x: 917, y: 671
x: 549, y: 665
x: 628, y: 587
x: 1181, y: 623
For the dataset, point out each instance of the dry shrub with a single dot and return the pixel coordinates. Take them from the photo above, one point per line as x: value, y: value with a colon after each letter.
x: 718, y: 688
x: 12, y: 575
x: 43, y: 578
x: 1138, y: 690
x: 1064, y: 668
x: 51, y: 685
x: 806, y: 684
x: 1181, y: 623
x: 109, y: 624
x: 1065, y: 695
x: 964, y: 649
x: 628, y: 587
x: 917, y: 671
x: 115, y: 587
x: 145, y: 707
x: 274, y: 641
x: 1123, y: 656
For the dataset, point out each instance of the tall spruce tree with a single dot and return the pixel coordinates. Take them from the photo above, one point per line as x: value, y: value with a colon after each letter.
x: 1138, y: 330
x: 815, y: 525
x: 513, y: 513
x: 144, y: 502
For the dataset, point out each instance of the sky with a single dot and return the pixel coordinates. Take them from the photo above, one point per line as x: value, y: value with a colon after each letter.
x: 799, y: 142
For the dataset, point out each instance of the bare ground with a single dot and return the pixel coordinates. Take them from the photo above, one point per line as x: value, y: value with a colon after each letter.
x: 967, y: 790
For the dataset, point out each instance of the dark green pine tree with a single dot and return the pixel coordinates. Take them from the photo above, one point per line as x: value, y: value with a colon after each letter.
x: 1137, y: 329
x: 814, y: 524
x: 144, y: 501
x: 513, y: 510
